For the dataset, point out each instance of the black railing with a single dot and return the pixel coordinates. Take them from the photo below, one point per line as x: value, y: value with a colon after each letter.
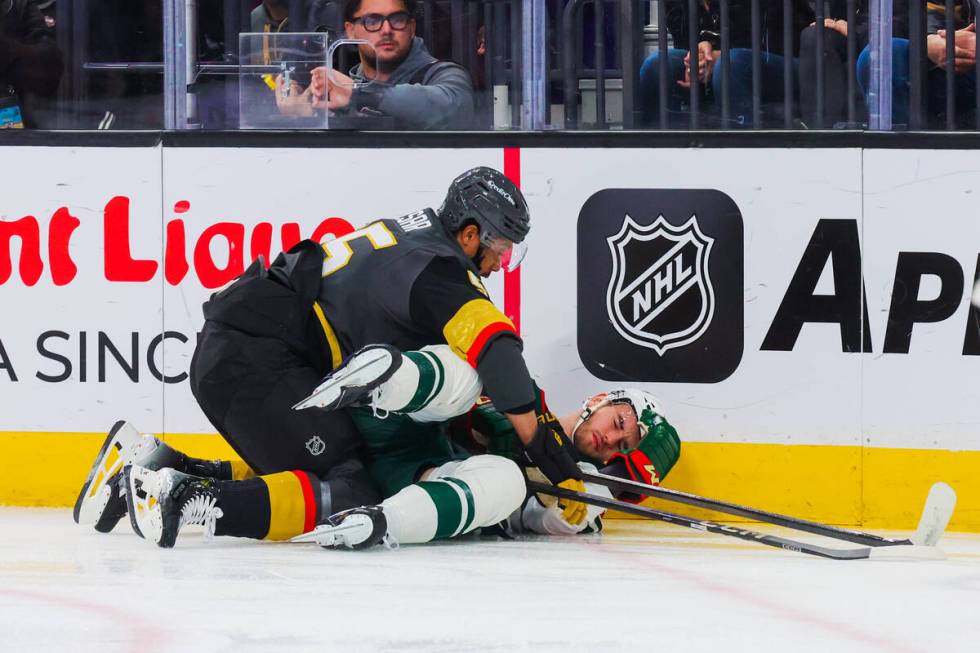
x: 578, y: 50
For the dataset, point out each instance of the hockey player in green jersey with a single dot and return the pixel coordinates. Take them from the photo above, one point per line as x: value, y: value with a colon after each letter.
x: 433, y: 488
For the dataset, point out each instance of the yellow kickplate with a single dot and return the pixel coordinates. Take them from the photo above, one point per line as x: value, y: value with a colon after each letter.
x: 874, y: 488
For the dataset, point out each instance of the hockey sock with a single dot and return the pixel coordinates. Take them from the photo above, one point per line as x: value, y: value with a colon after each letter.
x: 413, y: 385
x: 431, y: 385
x: 457, y: 498
x: 346, y: 486
x: 271, y: 507
x: 238, y: 470
x: 224, y: 470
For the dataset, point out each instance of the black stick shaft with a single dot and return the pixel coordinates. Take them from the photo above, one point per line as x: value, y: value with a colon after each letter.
x: 701, y: 525
x: 622, y: 485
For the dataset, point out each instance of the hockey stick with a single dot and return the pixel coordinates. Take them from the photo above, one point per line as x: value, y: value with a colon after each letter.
x: 935, y: 515
x: 922, y: 551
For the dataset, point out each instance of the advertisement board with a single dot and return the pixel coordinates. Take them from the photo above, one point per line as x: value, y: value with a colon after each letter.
x: 802, y: 314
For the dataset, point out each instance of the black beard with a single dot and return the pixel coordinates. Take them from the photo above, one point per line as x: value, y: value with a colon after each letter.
x: 384, y: 67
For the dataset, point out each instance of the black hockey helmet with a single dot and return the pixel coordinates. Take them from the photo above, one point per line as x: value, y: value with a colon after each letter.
x: 490, y: 199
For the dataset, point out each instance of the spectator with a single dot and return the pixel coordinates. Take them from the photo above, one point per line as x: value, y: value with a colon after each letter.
x: 964, y: 66
x: 835, y: 34
x: 772, y: 55
x: 273, y: 16
x: 30, y: 63
x: 270, y: 16
x: 50, y: 12
x: 407, y: 83
x: 711, y: 68
x: 678, y: 69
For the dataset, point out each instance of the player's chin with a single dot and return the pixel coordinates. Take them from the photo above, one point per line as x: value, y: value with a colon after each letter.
x: 583, y: 447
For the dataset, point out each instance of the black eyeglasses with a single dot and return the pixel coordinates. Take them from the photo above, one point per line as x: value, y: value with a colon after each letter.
x: 373, y: 22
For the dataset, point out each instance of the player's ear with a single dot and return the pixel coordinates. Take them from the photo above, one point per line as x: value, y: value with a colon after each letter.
x: 469, y: 236
x: 597, y: 399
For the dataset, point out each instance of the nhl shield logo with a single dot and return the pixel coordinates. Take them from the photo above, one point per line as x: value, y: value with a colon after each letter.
x: 660, y: 295
x: 316, y: 445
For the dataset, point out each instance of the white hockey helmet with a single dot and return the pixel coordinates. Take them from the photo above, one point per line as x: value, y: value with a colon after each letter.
x: 644, y: 404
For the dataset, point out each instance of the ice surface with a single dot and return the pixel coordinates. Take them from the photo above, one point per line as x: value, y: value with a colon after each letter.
x: 640, y: 587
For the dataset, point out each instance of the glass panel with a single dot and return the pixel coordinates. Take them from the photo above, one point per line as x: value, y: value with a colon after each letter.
x: 82, y: 64
x: 467, y: 64
x: 447, y: 65
x: 276, y: 80
x: 765, y: 64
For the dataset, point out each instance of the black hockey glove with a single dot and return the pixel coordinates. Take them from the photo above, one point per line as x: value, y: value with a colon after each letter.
x: 550, y: 451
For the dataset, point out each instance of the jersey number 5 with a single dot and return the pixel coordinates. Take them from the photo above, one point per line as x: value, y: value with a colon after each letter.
x: 337, y: 252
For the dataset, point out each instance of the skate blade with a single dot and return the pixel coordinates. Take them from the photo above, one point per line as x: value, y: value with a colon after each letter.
x: 322, y: 532
x: 330, y: 390
x: 116, y: 450
x: 935, y: 516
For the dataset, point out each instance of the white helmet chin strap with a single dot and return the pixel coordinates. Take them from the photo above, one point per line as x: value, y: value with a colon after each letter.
x: 586, y: 413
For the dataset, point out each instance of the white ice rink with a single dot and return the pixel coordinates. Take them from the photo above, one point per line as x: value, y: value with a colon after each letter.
x: 640, y: 587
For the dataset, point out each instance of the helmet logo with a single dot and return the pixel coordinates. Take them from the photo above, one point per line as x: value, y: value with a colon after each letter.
x: 660, y: 295
x: 501, y: 191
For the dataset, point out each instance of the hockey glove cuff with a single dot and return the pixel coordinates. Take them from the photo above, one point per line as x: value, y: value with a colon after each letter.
x: 550, y: 451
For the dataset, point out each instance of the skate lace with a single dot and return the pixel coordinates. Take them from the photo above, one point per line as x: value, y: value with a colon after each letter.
x: 201, y: 509
x: 389, y: 541
x: 379, y: 413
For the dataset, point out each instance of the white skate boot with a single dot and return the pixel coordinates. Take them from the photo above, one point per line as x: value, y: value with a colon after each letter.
x: 357, y: 528
x: 102, y: 500
x: 352, y: 382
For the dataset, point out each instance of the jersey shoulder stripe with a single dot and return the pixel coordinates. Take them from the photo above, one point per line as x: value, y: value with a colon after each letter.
x: 472, y: 327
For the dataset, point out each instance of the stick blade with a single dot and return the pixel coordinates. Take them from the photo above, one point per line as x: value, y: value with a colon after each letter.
x: 935, y: 516
x: 907, y: 552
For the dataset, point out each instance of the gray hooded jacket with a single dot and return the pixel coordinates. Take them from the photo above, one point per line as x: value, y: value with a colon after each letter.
x: 441, y: 99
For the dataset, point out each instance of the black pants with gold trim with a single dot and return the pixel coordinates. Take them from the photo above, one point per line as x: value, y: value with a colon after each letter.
x: 246, y: 385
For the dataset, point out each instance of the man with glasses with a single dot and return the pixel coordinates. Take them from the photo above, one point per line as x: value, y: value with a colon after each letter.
x: 396, y: 75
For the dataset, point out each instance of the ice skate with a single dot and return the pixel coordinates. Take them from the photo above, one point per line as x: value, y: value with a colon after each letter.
x: 357, y: 528
x: 102, y: 501
x: 160, y: 503
x: 353, y: 382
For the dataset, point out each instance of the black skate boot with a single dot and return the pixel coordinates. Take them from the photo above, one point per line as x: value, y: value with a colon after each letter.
x: 352, y: 383
x: 162, y: 502
x: 357, y: 528
x: 114, y: 508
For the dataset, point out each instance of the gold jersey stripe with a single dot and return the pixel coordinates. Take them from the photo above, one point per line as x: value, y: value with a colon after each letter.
x: 328, y: 331
x: 287, y: 506
x: 464, y: 328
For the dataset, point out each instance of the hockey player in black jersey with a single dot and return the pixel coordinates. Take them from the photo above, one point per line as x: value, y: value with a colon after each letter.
x: 270, y: 337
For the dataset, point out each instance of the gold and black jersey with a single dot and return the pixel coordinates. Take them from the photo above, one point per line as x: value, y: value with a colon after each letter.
x: 403, y: 282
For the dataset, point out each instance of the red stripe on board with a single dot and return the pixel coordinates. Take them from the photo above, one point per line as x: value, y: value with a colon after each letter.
x: 309, y: 521
x: 473, y: 355
x: 512, y: 280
